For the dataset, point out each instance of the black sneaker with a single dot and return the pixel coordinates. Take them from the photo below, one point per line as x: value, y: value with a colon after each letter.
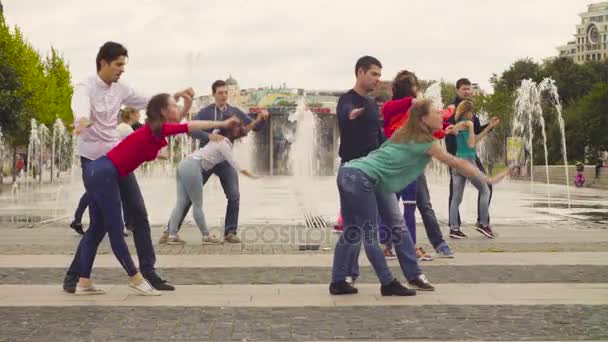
x: 395, y: 288
x: 159, y: 283
x: 421, y: 283
x: 486, y: 231
x: 342, y: 288
x: 457, y: 234
x: 69, y: 283
x: 77, y: 227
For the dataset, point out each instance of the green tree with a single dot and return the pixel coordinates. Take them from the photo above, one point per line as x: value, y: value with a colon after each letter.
x: 586, y: 121
x: 58, y: 90
x: 448, y: 92
x: 511, y: 79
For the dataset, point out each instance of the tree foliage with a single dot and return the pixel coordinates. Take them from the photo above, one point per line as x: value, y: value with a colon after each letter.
x: 31, y: 86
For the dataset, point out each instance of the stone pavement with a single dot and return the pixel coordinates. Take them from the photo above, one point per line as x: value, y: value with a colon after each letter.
x: 544, y: 281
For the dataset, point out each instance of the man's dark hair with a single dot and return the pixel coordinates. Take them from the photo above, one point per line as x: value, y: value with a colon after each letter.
x: 366, y: 63
x: 217, y: 84
x: 109, y: 52
x: 462, y: 82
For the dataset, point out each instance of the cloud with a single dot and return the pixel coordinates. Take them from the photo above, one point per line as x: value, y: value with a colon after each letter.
x: 310, y: 44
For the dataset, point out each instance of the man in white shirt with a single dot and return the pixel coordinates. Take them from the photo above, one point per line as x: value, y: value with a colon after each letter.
x: 96, y: 105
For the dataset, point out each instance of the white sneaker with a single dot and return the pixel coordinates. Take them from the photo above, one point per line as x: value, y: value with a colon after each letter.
x: 88, y: 291
x: 144, y: 288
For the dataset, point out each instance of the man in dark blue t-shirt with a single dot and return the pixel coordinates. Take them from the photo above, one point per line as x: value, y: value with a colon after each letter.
x: 218, y: 111
x: 358, y: 116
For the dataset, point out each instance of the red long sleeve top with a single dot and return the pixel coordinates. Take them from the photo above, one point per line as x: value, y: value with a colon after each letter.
x: 395, y: 114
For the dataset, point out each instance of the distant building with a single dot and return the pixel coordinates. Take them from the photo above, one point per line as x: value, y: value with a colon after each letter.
x: 234, y: 91
x: 591, y: 38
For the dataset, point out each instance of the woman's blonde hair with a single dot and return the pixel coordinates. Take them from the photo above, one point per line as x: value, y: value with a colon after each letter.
x: 463, y: 108
x: 415, y: 130
x: 125, y: 114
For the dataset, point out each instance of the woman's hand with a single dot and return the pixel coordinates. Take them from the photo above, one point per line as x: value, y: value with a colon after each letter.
x: 230, y: 122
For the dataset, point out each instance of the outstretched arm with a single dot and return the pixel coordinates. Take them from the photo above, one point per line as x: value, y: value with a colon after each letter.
x: 200, y: 125
x: 487, y: 128
x: 464, y: 167
x: 467, y: 169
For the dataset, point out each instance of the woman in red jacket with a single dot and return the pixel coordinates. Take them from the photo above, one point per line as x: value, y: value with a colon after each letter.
x: 395, y: 115
x: 101, y: 182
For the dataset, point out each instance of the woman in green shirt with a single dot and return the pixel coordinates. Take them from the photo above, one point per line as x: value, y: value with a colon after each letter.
x: 466, y: 140
x: 367, y: 187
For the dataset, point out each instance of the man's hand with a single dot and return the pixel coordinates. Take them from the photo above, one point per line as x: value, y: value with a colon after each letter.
x: 494, y: 121
x: 451, y: 129
x: 355, y: 113
x: 216, y: 137
x: 81, y: 125
x: 230, y: 122
x: 263, y: 115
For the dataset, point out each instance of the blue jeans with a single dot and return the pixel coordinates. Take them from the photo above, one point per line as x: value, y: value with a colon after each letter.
x: 479, y: 165
x: 101, y: 183
x: 458, y: 183
x: 360, y: 204
x: 189, y: 181
x: 229, y: 178
x: 133, y: 203
x: 83, y: 203
x: 423, y: 202
x: 408, y: 196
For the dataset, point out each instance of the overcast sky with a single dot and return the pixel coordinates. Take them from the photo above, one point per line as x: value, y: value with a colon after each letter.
x: 309, y: 44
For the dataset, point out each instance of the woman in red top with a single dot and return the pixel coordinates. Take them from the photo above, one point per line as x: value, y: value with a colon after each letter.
x: 395, y: 114
x: 101, y: 182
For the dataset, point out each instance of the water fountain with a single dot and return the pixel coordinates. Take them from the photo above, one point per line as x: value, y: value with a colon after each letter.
x: 303, y: 160
x: 32, y: 150
x: 438, y: 171
x: 60, y: 146
x: 528, y: 115
x: 304, y: 163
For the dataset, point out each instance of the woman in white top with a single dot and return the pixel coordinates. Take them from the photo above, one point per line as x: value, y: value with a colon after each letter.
x: 192, y: 173
x: 128, y: 117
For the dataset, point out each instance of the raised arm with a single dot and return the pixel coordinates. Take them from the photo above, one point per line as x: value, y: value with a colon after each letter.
x: 469, y: 126
x: 494, y: 121
x: 200, y: 125
x: 250, y: 124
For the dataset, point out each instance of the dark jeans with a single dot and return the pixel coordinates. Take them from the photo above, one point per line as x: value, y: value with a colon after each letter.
x: 101, y: 183
x: 423, y: 202
x: 482, y: 169
x: 84, y: 202
x: 229, y: 178
x: 133, y: 203
x: 360, y: 204
x: 408, y: 198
